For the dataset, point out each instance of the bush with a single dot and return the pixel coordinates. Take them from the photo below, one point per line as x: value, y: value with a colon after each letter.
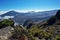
x: 5, y: 23
x: 41, y: 33
x: 57, y: 37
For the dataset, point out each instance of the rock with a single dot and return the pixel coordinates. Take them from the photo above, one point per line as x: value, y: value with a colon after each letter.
x: 58, y: 14
x: 5, y: 33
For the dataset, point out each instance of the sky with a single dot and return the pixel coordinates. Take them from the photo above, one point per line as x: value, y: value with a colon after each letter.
x: 25, y: 5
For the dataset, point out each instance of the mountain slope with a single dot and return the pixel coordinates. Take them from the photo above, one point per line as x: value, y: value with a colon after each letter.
x: 53, y: 21
x: 34, y: 16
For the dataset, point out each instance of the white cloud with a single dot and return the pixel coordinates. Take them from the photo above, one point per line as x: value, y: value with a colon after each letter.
x: 7, y: 17
x: 24, y: 11
x: 31, y: 10
x: 36, y: 10
x: 2, y: 12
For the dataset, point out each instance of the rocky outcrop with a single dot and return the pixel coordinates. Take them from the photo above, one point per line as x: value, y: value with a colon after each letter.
x: 5, y: 33
x: 58, y: 14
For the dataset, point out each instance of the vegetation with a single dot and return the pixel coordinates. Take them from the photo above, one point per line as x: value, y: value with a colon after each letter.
x: 49, y: 30
x: 5, y: 23
x: 21, y: 33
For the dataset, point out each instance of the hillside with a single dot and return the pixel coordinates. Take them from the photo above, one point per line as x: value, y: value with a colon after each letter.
x: 44, y: 30
x: 20, y: 17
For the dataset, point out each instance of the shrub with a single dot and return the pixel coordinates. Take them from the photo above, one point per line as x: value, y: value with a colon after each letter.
x: 6, y: 22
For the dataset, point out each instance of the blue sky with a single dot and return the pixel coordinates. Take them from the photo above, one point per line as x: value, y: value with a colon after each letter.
x: 29, y: 4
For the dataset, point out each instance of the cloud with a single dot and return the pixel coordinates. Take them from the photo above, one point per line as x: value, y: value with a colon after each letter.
x: 24, y: 11
x: 2, y: 12
x: 32, y: 10
x: 7, y: 17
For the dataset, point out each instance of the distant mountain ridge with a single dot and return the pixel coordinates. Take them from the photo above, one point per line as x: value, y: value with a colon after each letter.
x: 34, y: 16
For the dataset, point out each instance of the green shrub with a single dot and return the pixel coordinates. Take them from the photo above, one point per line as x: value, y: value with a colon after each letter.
x: 6, y: 22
